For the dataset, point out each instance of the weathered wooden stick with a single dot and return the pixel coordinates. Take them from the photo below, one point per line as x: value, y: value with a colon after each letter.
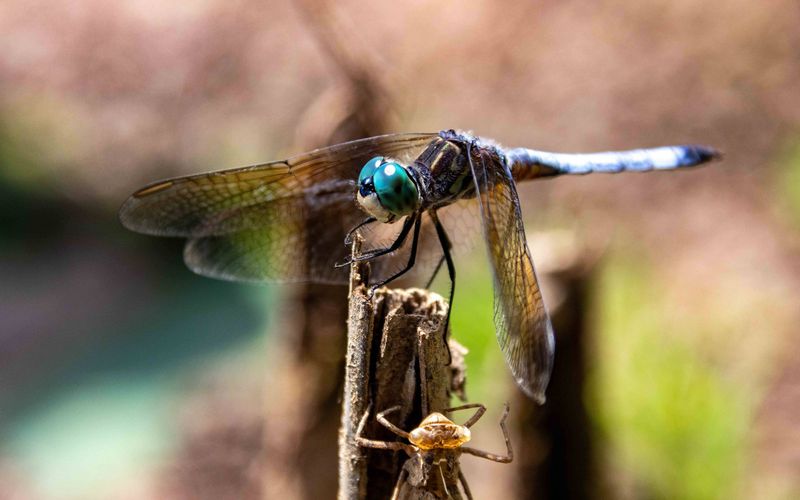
x: 352, y: 483
x: 396, y: 356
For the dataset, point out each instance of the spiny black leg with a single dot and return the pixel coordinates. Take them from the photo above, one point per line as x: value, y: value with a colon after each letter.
x: 438, y: 267
x: 451, y: 270
x: 435, y: 272
x: 348, y: 239
x: 371, y: 254
x: 411, y: 259
x: 398, y: 242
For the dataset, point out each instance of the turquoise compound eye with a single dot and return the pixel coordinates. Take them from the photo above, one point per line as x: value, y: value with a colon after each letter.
x: 369, y: 169
x: 395, y: 189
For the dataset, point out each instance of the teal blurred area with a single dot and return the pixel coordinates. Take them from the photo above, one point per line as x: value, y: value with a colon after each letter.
x: 101, y: 336
x: 117, y: 364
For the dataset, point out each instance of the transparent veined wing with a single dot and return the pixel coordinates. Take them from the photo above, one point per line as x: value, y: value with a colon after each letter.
x: 278, y: 221
x: 521, y: 321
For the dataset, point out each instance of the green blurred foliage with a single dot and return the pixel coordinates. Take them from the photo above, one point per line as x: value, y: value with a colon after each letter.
x: 473, y: 327
x: 788, y: 185
x: 676, y: 427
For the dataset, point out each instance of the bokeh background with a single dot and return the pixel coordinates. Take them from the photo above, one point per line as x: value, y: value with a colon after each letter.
x: 124, y: 376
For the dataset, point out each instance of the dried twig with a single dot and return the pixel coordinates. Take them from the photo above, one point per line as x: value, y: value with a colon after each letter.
x: 396, y: 356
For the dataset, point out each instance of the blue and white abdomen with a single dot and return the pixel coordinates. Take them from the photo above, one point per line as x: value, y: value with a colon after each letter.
x: 528, y: 163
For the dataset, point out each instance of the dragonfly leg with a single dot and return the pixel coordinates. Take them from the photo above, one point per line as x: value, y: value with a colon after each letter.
x: 438, y: 267
x: 411, y: 260
x: 508, y: 457
x: 371, y: 254
x: 348, y: 239
x: 451, y: 270
x: 435, y: 272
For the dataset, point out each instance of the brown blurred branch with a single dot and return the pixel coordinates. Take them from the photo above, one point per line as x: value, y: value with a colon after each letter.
x: 353, y: 106
x: 556, y: 457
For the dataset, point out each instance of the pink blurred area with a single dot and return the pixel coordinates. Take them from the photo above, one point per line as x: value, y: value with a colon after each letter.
x: 143, y: 83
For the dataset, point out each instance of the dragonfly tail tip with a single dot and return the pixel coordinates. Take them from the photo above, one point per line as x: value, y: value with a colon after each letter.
x: 708, y: 153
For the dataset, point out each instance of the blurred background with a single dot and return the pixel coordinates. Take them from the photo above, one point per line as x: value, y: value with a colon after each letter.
x: 124, y: 376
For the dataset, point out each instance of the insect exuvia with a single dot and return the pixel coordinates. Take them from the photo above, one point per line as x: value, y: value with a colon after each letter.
x: 434, y: 451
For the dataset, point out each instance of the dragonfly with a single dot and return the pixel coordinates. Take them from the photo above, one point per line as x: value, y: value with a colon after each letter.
x: 285, y: 220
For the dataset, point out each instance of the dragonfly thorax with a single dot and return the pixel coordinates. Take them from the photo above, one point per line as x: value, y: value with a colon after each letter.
x: 386, y: 190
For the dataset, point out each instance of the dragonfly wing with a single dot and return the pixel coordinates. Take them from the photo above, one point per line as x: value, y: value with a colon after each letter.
x: 222, y: 202
x: 279, y: 221
x: 301, y: 238
x: 297, y: 239
x: 521, y: 321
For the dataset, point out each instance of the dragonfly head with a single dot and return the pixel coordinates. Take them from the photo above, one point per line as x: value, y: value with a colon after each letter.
x: 386, y: 190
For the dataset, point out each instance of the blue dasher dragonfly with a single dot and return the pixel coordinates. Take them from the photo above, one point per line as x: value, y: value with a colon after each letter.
x: 286, y: 220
